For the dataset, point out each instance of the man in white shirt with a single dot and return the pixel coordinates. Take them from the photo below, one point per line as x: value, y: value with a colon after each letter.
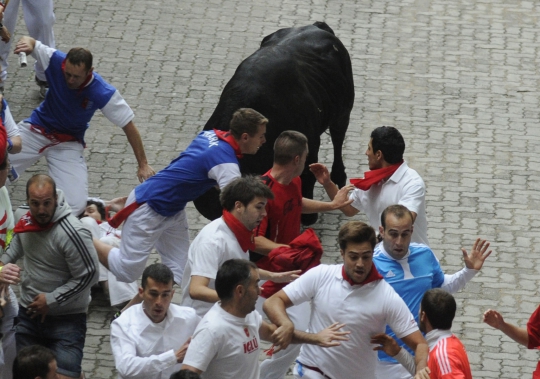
x: 355, y: 294
x: 150, y: 340
x: 389, y: 181
x: 226, y: 343
x: 229, y: 237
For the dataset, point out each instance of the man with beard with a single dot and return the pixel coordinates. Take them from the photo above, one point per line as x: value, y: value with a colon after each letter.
x: 355, y: 294
x: 61, y: 266
x: 226, y: 343
x: 56, y: 129
x: 389, y: 181
x: 447, y: 355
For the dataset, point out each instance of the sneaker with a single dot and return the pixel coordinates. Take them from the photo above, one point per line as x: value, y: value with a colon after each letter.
x: 43, y: 87
x: 13, y: 175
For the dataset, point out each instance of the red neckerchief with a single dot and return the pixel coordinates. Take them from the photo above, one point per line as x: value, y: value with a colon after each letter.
x: 228, y: 137
x: 375, y: 176
x: 121, y: 216
x: 3, y: 231
x: 244, y: 236
x: 373, y: 275
x: 3, y: 142
x: 27, y: 223
x: 86, y: 81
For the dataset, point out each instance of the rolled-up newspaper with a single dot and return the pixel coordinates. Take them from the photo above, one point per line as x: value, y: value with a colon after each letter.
x: 22, y: 59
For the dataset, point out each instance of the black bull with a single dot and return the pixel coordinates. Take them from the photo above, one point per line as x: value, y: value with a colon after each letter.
x: 300, y: 79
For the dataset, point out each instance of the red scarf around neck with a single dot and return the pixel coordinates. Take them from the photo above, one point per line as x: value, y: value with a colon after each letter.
x: 28, y: 223
x: 228, y: 137
x: 244, y: 236
x: 373, y: 275
x: 375, y: 176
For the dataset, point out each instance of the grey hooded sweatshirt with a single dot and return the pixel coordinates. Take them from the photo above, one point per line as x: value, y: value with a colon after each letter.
x: 60, y: 262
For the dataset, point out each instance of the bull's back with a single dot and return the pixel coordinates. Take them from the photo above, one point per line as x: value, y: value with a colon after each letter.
x: 299, y: 79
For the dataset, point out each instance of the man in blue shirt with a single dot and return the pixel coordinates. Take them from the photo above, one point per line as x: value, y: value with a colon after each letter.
x: 154, y: 214
x: 412, y: 269
x: 57, y: 127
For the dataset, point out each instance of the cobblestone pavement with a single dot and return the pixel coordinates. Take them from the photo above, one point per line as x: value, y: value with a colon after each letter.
x: 458, y: 78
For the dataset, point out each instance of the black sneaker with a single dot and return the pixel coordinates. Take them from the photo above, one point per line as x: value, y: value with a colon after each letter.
x: 43, y: 86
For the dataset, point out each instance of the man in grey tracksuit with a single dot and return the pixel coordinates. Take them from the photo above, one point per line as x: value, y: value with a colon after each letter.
x: 60, y: 266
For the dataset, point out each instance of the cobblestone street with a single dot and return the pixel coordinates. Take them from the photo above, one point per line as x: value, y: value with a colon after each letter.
x: 459, y: 79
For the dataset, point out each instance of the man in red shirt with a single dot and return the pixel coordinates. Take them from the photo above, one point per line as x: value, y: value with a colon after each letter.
x: 282, y: 225
x: 529, y: 337
x: 447, y: 356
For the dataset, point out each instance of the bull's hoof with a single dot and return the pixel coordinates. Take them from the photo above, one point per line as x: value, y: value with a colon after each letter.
x: 309, y: 219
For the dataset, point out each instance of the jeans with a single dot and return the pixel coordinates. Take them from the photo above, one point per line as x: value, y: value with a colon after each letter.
x: 63, y: 334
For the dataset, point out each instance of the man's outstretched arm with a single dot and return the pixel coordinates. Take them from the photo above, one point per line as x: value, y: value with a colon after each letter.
x: 496, y: 320
x: 323, y: 177
x: 134, y: 138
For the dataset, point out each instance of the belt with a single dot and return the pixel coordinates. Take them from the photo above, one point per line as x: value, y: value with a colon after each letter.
x: 316, y: 369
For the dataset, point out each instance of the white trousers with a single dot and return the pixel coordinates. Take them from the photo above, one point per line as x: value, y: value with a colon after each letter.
x: 66, y: 162
x: 119, y: 292
x: 277, y: 365
x: 39, y: 18
x: 8, y: 350
x: 143, y: 230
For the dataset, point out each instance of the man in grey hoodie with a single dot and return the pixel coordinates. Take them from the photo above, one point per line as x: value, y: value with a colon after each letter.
x: 60, y: 265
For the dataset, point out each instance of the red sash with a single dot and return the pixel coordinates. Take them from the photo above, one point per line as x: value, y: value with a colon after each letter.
x: 54, y: 137
x: 121, y: 216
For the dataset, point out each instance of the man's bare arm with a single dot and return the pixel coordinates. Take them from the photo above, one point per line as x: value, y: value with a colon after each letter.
x: 134, y: 138
x: 496, y: 320
x: 340, y: 200
x: 264, y: 246
x: 274, y: 307
x: 323, y: 177
x: 328, y: 337
x: 102, y: 250
x: 199, y: 290
x: 25, y: 45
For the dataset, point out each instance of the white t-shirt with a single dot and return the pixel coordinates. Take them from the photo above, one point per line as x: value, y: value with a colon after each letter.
x: 215, y: 244
x: 225, y: 346
x: 404, y: 187
x: 365, y: 309
x: 144, y: 349
x: 12, y: 129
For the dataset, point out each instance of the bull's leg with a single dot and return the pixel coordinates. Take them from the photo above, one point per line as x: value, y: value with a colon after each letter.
x: 337, y: 133
x: 308, y: 179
